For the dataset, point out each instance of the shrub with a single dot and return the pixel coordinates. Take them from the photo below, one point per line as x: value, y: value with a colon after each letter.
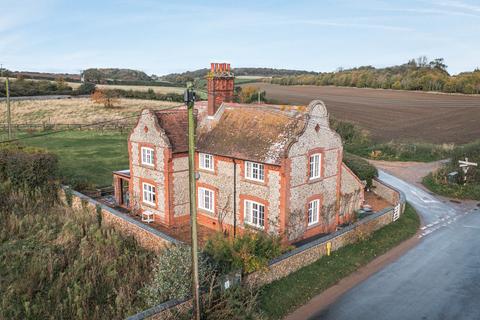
x: 249, y: 95
x: 351, y: 133
x: 236, y: 303
x: 249, y: 252
x: 172, y: 275
x: 31, y: 173
x: 85, y: 88
x: 361, y: 167
x: 108, y: 98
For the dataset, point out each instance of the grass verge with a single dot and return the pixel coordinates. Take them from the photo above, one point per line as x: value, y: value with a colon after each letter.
x: 459, y: 191
x: 298, y: 288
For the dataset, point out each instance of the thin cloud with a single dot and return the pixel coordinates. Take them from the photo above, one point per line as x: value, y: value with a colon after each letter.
x: 459, y: 5
x: 349, y: 25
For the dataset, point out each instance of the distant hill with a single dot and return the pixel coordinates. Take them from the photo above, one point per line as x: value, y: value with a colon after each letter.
x: 419, y: 74
x: 181, y: 78
x: 72, y: 77
x: 104, y: 75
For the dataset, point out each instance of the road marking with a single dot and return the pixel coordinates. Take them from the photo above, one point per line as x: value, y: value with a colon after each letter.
x: 473, y: 227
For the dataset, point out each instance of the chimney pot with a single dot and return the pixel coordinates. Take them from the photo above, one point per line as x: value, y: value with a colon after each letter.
x: 220, y: 87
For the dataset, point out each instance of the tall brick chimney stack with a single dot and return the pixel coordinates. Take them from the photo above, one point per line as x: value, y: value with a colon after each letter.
x: 220, y: 86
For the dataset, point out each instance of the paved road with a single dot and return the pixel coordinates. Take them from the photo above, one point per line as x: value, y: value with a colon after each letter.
x: 438, y: 279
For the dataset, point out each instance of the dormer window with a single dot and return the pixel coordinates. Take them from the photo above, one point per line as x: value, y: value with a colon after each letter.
x: 206, y: 162
x: 147, y: 156
x: 254, y: 171
x: 315, y: 165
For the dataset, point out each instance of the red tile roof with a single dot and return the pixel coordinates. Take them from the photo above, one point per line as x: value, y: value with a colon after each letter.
x: 175, y: 124
x: 259, y: 133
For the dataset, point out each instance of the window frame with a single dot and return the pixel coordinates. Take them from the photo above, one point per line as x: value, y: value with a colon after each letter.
x: 202, y: 160
x: 152, y: 194
x: 152, y: 156
x: 315, y: 169
x: 250, y: 170
x: 201, y: 200
x: 248, y: 218
x: 314, y: 204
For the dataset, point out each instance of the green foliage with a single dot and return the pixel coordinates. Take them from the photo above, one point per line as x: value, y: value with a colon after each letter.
x: 101, y: 75
x: 350, y: 133
x: 98, y: 211
x: 415, y: 75
x: 180, y: 79
x: 21, y: 87
x: 249, y: 95
x: 249, y: 252
x: 239, y: 303
x: 438, y: 182
x: 150, y: 94
x: 68, y: 196
x: 361, y: 167
x: 172, y: 275
x: 29, y: 173
x: 299, y: 287
x: 63, y: 265
x: 85, y: 88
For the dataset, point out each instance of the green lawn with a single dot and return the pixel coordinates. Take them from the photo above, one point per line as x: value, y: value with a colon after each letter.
x: 298, y: 288
x: 86, y: 156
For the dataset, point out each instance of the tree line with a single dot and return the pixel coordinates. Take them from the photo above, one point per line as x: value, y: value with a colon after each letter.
x: 416, y: 74
x: 181, y: 79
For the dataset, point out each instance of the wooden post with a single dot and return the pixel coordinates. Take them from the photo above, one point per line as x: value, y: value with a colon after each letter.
x: 9, y: 114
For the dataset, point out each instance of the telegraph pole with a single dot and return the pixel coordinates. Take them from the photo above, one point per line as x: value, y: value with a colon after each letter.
x: 190, y: 101
x: 9, y: 115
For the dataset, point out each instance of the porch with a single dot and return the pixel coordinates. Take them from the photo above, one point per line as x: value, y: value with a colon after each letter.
x: 121, y: 187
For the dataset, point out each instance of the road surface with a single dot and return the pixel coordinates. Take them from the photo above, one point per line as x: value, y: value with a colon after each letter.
x: 437, y: 279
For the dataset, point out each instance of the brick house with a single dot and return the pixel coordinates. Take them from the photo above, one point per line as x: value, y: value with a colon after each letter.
x: 262, y: 167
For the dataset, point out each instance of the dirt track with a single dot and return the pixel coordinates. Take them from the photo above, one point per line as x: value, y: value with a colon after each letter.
x: 390, y: 114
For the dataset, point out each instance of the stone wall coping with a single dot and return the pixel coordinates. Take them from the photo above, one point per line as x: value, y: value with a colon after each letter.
x: 125, y: 217
x: 157, y: 309
x: 402, y: 198
x: 328, y: 237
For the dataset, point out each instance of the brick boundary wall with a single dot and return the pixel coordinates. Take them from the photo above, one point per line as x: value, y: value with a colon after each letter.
x: 146, y: 236
x: 304, y: 255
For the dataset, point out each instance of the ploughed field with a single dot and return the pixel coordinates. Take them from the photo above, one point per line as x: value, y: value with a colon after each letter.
x: 391, y: 114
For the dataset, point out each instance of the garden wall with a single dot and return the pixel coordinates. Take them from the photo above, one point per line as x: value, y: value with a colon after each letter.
x: 304, y: 255
x: 308, y: 253
x: 146, y: 236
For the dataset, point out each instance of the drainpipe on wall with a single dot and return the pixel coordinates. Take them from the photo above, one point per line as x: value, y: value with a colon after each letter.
x: 234, y: 198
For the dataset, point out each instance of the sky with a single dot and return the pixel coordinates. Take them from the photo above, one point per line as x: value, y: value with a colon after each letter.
x: 161, y: 37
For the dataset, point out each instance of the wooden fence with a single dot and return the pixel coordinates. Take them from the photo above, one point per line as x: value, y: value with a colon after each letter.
x: 121, y: 125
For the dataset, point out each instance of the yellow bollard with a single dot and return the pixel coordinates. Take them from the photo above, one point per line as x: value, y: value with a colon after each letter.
x: 329, y: 248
